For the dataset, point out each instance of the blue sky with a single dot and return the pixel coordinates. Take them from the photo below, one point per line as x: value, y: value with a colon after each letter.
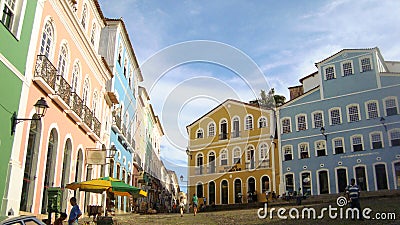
x: 283, y: 38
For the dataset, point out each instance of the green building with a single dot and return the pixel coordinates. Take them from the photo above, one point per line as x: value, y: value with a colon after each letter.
x: 17, y: 22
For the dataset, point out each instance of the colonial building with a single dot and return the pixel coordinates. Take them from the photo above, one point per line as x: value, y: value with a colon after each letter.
x: 71, y: 76
x: 117, y: 49
x: 233, y: 154
x: 342, y: 122
x: 17, y: 21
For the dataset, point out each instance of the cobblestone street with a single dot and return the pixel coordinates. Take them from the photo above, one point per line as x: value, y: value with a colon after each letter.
x: 249, y: 216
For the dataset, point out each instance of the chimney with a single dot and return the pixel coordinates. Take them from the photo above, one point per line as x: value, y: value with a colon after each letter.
x: 296, y: 91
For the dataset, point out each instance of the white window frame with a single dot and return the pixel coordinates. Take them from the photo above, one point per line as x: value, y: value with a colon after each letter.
x: 17, y: 18
x: 342, y: 68
x: 313, y: 119
x: 221, y: 153
x: 52, y: 37
x: 384, y: 104
x: 202, y: 133
x: 297, y: 121
x: 316, y: 149
x: 370, y: 139
x: 266, y: 156
x: 248, y: 126
x: 284, y: 151
x: 208, y: 129
x: 265, y: 122
x: 334, y: 71
x: 389, y: 135
x: 233, y: 154
x: 348, y: 114
x: 290, y: 124
x: 370, y: 61
x: 299, y: 149
x: 377, y: 109
x: 334, y: 146
x: 352, y: 144
x: 235, y: 118
x: 340, y: 115
x: 65, y: 58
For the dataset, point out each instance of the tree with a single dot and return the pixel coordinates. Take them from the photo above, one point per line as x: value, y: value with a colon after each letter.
x: 271, y: 100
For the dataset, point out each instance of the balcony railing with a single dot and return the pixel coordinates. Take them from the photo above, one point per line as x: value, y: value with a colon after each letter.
x: 250, y: 165
x: 45, y: 70
x: 96, y: 126
x: 235, y: 134
x: 124, y: 130
x: 87, y: 116
x: 199, y: 170
x: 76, y: 104
x: 223, y: 136
x: 63, y: 89
x: 117, y: 120
x: 211, y: 169
x: 264, y: 163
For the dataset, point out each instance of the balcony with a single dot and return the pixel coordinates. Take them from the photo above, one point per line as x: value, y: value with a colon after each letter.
x: 250, y: 165
x: 76, y: 105
x: 264, y: 163
x: 45, y: 74
x: 87, y: 119
x: 62, y: 94
x: 199, y: 170
x: 211, y: 169
x: 223, y: 136
x: 116, y: 125
x: 96, y: 127
x: 235, y: 134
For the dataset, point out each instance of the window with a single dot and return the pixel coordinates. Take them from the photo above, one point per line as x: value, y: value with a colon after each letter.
x: 357, y: 143
x: 249, y: 122
x: 62, y: 61
x: 335, y: 116
x: 262, y: 122
x: 93, y: 35
x: 320, y: 148
x: 318, y: 120
x: 199, y: 133
x: 347, y: 68
x: 353, y: 113
x: 211, y: 130
x: 289, y: 182
x: 329, y: 73
x: 236, y: 156
x: 8, y: 14
x: 224, y: 157
x: 199, y: 169
x: 84, y: 12
x: 223, y: 130
x: 390, y: 106
x: 394, y: 136
x: 372, y: 109
x: 235, y: 127
x: 94, y: 103
x: 85, y: 95
x: 286, y: 126
x: 301, y: 122
x: 10, y: 11
x: 365, y: 64
x: 338, y: 146
x: 250, y: 158
x: 119, y: 54
x: 75, y: 78
x: 287, y: 152
x: 303, y: 150
x: 125, y: 67
x: 47, y: 39
x: 264, y: 154
x: 376, y: 140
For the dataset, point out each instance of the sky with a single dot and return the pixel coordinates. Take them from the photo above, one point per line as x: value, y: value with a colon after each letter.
x: 195, y: 54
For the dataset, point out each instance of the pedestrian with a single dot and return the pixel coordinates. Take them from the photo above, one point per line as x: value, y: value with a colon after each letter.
x: 266, y: 195
x: 205, y: 200
x: 353, y: 195
x: 195, y: 202
x: 181, y: 205
x: 59, y: 221
x: 273, y: 196
x: 75, y: 212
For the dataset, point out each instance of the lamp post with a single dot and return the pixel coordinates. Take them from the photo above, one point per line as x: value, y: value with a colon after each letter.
x: 323, y: 133
x: 187, y: 192
x: 40, y: 107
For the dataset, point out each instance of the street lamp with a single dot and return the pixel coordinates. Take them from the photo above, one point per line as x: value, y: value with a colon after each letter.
x: 40, y: 107
x: 323, y: 133
x: 188, y: 152
x: 187, y: 192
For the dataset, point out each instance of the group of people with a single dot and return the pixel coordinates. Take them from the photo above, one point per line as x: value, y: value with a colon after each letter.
x: 74, y: 214
x: 195, y: 204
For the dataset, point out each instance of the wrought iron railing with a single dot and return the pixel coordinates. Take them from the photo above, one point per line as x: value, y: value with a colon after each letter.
x: 199, y: 170
x: 235, y: 134
x: 117, y: 120
x: 211, y: 169
x: 96, y: 126
x: 63, y: 89
x: 45, y: 69
x: 87, y: 116
x: 223, y: 136
x: 76, y: 104
x: 264, y: 163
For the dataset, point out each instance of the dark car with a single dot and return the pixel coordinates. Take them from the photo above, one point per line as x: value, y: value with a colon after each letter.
x: 22, y: 220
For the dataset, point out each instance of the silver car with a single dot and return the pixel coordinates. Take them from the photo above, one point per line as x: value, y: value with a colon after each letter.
x: 22, y: 220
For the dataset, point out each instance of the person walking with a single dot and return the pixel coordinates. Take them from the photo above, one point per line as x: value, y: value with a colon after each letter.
x: 75, y: 212
x: 181, y: 205
x: 195, y: 202
x: 353, y: 195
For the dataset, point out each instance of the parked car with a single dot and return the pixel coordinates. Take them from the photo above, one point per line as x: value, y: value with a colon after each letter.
x: 22, y: 220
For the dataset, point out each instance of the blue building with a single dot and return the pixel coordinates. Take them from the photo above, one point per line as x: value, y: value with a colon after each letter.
x: 116, y: 47
x: 342, y: 122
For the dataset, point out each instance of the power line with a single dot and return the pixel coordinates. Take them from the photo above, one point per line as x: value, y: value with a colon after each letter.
x: 2, y: 106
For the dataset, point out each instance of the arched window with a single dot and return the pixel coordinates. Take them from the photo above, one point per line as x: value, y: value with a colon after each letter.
x: 262, y: 122
x: 94, y: 103
x: 85, y: 95
x: 223, y: 132
x: 78, y: 170
x: 249, y: 122
x: 47, y: 40
x: 50, y: 166
x: 199, y: 169
x: 265, y: 184
x: 199, y: 133
x: 211, y: 130
x: 224, y: 157
x: 84, y: 14
x: 236, y: 155
x: 264, y: 152
x: 250, y: 160
x: 93, y: 35
x: 224, y: 192
x: 75, y: 78
x: 63, y: 61
x: 66, y: 172
x: 235, y: 127
x: 199, y: 190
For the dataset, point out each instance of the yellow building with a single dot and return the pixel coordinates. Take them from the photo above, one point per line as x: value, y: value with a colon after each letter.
x: 232, y: 153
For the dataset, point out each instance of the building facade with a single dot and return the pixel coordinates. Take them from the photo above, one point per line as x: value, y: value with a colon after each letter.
x: 343, y: 122
x: 233, y: 154
x: 17, y: 19
x: 116, y: 47
x: 71, y: 76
